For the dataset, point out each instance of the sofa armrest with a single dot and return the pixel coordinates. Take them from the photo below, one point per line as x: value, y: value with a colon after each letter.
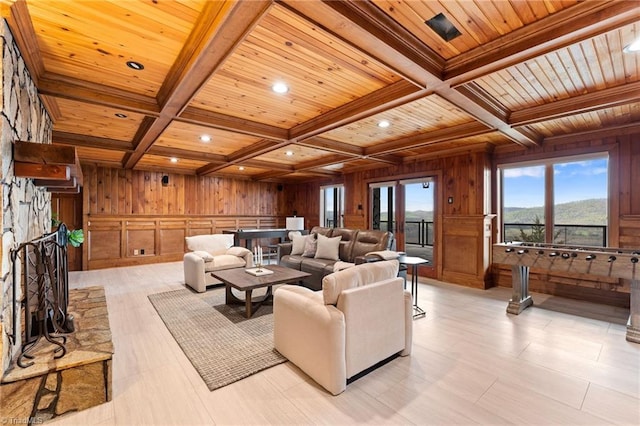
x: 194, y: 272
x: 311, y: 335
x: 284, y: 249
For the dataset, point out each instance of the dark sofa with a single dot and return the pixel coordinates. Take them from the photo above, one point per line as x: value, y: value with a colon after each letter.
x: 354, y: 244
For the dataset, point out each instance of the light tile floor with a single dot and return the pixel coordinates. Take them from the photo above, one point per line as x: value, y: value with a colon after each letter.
x: 471, y: 364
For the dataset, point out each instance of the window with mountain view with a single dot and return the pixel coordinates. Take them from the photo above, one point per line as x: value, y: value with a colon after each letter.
x: 576, y: 191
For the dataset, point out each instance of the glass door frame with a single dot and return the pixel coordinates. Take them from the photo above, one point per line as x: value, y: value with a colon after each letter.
x: 433, y: 270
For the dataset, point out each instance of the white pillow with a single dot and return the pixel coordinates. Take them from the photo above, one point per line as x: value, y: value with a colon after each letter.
x: 238, y: 251
x: 206, y: 256
x: 328, y: 248
x: 297, y: 244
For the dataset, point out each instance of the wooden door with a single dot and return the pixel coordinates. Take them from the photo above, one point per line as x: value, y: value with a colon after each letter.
x: 67, y: 208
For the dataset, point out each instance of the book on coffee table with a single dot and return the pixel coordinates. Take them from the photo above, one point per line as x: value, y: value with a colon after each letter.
x: 259, y: 272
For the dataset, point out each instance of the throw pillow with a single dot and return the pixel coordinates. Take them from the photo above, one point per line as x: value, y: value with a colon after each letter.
x: 310, y: 246
x: 328, y: 248
x: 238, y: 251
x: 204, y: 255
x: 297, y: 244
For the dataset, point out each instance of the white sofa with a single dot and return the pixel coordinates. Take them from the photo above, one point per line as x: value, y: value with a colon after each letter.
x: 361, y: 316
x: 208, y: 253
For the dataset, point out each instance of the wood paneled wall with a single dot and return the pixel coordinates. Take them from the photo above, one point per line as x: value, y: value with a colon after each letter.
x: 624, y: 214
x: 127, y: 211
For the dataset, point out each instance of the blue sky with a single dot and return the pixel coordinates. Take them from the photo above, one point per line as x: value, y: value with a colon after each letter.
x: 524, y: 186
x: 580, y: 180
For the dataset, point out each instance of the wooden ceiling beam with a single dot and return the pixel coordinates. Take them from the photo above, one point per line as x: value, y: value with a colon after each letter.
x: 165, y: 151
x: 602, y: 132
x: 367, y: 29
x: 74, y: 139
x: 233, y: 124
x: 381, y: 100
x: 97, y: 94
x: 387, y: 158
x: 323, y: 162
x: 221, y: 27
x: 330, y: 145
x: 569, y: 26
x: 606, y: 98
x: 423, y: 139
x: 24, y: 34
x: 259, y: 148
x: 268, y: 165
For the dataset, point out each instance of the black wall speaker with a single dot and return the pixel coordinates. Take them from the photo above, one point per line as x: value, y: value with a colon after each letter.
x: 165, y: 180
x: 280, y: 187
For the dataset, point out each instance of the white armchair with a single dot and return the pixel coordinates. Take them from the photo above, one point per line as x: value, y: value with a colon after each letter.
x: 210, y: 253
x: 361, y: 316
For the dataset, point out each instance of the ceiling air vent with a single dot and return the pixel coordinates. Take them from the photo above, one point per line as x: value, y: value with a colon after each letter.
x: 443, y: 27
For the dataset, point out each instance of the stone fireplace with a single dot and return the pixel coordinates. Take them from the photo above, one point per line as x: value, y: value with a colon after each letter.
x: 81, y: 378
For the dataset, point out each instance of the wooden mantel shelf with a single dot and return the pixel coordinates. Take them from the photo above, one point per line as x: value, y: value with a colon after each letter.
x: 55, y: 167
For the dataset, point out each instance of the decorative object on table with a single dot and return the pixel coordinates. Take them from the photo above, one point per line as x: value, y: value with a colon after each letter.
x: 294, y: 223
x: 258, y: 260
x: 220, y: 342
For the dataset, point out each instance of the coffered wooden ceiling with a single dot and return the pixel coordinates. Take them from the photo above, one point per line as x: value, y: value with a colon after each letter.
x: 521, y: 72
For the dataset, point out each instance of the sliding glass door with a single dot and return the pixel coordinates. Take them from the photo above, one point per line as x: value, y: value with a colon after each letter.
x: 406, y: 208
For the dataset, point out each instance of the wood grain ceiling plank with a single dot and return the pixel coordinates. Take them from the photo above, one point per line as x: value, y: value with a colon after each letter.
x: 336, y: 17
x: 605, y: 98
x: 566, y: 27
x: 232, y: 124
x: 201, y: 58
x: 180, y: 154
x: 332, y: 146
x: 432, y: 137
x: 391, y: 96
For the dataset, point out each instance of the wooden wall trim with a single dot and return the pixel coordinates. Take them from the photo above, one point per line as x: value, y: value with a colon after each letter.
x: 143, y: 239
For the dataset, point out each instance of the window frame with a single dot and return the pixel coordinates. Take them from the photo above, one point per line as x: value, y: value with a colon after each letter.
x: 338, y: 193
x: 549, y: 188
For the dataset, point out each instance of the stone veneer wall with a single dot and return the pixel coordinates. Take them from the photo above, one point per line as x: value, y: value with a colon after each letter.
x: 26, y: 209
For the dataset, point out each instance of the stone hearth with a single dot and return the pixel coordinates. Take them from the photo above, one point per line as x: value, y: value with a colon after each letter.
x: 79, y: 380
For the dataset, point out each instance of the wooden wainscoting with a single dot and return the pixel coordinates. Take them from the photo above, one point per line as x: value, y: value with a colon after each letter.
x: 124, y: 241
x: 466, y: 247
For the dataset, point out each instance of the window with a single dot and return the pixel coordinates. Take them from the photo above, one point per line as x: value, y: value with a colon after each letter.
x: 332, y: 206
x: 563, y: 201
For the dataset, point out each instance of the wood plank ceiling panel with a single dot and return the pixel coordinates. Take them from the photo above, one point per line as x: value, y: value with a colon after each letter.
x: 479, y: 21
x: 299, y: 154
x: 240, y: 171
x: 609, y: 117
x: 186, y: 136
x: 420, y: 116
x: 89, y: 155
x: 150, y: 161
x: 151, y: 33
x: 323, y: 72
x: 96, y: 120
x: 569, y: 72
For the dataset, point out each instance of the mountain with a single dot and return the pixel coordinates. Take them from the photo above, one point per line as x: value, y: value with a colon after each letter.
x: 584, y: 212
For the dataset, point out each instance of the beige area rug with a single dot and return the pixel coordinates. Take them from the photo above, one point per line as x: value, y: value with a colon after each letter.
x: 220, y: 342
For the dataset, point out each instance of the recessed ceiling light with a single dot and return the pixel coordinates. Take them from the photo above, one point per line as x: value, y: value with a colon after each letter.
x: 120, y: 115
x: 384, y: 123
x: 241, y: 168
x: 280, y: 87
x: 288, y: 153
x: 633, y: 47
x: 174, y: 160
x: 135, y: 65
x: 205, y: 138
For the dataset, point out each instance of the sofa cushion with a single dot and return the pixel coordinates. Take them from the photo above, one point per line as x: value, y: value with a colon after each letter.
x: 224, y: 261
x: 328, y: 248
x: 321, y: 230
x: 238, y: 251
x: 291, y: 261
x: 298, y: 243
x: 204, y: 255
x: 360, y: 275
x: 370, y: 240
x: 346, y: 243
x: 310, y: 246
x: 212, y: 243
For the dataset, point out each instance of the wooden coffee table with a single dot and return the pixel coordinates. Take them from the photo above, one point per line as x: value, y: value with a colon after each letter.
x: 241, y: 280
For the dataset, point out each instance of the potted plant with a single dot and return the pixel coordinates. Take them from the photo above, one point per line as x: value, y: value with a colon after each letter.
x: 75, y: 237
